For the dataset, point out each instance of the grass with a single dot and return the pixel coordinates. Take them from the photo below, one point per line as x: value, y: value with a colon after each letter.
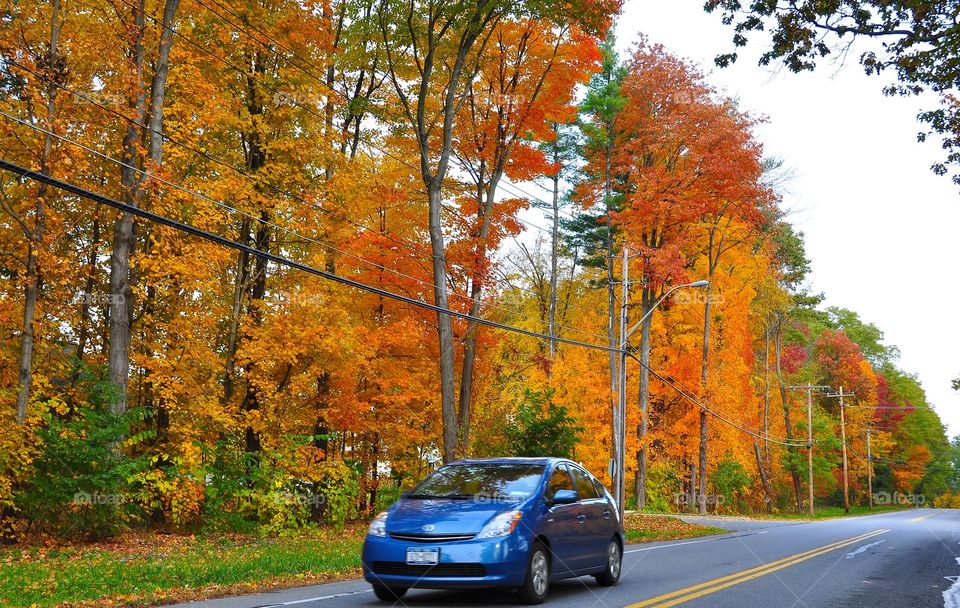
x: 646, y: 528
x: 140, y: 570
x: 154, y: 569
x: 831, y: 512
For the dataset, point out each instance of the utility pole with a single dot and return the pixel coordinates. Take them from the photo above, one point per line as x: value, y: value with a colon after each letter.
x: 843, y: 438
x: 810, y: 388
x: 622, y: 397
x: 869, y: 471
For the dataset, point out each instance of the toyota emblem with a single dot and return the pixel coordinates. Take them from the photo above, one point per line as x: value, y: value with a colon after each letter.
x: 428, y: 528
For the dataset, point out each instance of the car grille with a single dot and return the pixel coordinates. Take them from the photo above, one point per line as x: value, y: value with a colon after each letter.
x: 451, y: 569
x: 430, y: 538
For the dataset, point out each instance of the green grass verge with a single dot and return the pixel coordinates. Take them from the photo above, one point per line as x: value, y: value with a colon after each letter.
x: 832, y: 512
x: 156, y: 569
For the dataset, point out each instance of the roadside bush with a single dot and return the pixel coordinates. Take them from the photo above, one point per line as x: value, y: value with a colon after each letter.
x: 541, y: 428
x: 947, y: 501
x: 662, y: 484
x: 175, y: 495
x: 730, y: 479
x: 79, y: 482
x: 339, y: 488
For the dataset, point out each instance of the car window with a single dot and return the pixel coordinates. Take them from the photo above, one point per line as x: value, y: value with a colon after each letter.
x: 585, y: 487
x: 559, y: 480
x: 599, y: 487
x: 481, y: 481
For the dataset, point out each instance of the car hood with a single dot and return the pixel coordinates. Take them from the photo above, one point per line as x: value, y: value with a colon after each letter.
x: 447, y: 516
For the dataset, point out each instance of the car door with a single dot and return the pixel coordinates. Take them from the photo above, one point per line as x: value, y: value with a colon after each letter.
x: 594, y: 518
x: 562, y: 524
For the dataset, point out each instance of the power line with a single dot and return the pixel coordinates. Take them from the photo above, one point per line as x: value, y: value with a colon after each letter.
x: 244, y: 28
x: 706, y: 408
x: 276, y: 91
x: 277, y: 259
x: 273, y: 224
x: 221, y: 240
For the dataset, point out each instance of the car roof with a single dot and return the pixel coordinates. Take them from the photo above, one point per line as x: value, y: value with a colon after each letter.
x: 512, y: 460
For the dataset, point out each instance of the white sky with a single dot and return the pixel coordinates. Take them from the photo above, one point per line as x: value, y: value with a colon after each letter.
x: 880, y: 228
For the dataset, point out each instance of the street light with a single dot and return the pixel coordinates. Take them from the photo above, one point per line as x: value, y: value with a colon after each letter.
x: 622, y: 400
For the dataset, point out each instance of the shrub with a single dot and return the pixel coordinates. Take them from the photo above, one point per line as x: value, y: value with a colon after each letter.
x: 730, y: 480
x: 80, y: 477
x: 540, y: 428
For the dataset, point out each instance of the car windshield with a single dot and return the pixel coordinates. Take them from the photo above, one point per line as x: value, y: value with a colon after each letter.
x: 512, y: 482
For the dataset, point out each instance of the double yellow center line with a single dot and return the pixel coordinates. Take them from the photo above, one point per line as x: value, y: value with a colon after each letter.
x: 689, y: 593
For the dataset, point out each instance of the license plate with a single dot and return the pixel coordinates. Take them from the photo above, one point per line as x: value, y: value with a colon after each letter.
x: 417, y: 556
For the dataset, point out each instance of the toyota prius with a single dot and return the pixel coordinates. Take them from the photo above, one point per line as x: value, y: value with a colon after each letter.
x: 516, y: 523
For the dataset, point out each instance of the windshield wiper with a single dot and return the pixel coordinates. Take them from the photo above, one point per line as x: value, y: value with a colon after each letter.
x: 450, y: 496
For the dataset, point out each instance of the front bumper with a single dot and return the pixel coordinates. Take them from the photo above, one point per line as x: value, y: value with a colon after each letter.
x: 466, y: 564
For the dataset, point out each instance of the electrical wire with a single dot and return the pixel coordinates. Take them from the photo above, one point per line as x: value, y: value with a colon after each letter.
x: 273, y: 224
x: 276, y: 91
x: 278, y: 259
x: 710, y: 411
x: 221, y: 240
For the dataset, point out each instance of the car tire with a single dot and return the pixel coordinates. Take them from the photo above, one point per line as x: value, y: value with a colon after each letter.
x: 537, y: 583
x: 387, y: 593
x: 611, y: 574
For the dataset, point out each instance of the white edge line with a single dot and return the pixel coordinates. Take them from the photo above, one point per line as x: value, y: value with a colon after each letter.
x: 689, y: 542
x: 321, y: 598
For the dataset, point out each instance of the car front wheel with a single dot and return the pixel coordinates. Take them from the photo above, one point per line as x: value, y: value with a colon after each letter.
x: 387, y: 593
x: 537, y: 583
x: 611, y: 574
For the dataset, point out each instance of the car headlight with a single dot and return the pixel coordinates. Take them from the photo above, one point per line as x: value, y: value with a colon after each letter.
x: 501, y: 525
x: 378, y: 527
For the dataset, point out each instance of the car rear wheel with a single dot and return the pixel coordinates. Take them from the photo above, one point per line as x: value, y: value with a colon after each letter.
x: 537, y: 583
x: 387, y: 593
x: 611, y: 574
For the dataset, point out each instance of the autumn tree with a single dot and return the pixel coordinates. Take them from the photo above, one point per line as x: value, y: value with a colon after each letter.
x: 525, y: 85
x: 917, y: 43
x: 433, y: 54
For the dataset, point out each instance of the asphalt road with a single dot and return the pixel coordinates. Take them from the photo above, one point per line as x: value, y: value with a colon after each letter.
x: 904, y: 559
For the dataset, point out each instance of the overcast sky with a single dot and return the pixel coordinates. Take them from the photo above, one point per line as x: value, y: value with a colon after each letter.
x: 881, y: 229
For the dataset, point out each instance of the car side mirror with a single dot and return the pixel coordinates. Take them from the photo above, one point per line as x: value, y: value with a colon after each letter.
x: 565, y: 497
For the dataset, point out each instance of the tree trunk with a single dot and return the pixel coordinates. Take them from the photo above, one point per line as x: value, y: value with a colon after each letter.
x: 554, y: 255
x: 485, y: 206
x: 121, y: 294
x: 766, y: 394
x: 56, y: 71
x: 704, y: 369
x: 444, y: 326
x: 640, y: 484
x: 768, y: 499
x: 158, y: 88
x: 794, y: 473
x: 611, y: 314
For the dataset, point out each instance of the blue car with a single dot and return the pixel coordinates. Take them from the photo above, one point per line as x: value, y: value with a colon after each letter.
x: 516, y: 523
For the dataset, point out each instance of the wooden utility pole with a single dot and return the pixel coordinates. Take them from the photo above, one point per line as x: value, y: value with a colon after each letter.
x: 843, y: 438
x: 810, y: 445
x: 621, y: 417
x: 869, y: 471
x: 810, y: 388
